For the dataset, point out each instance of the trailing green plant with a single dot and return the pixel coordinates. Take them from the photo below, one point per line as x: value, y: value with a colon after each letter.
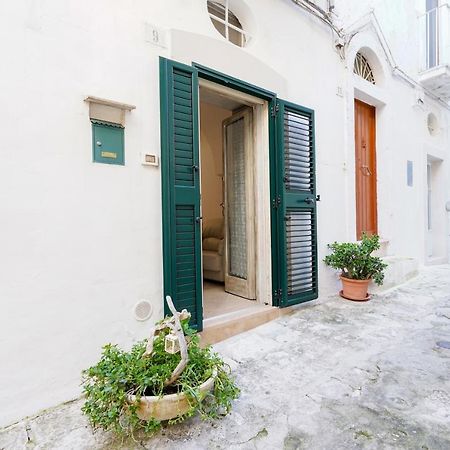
x: 355, y: 260
x: 119, y: 373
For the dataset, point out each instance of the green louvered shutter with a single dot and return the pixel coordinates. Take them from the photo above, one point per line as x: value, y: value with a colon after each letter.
x: 296, y: 212
x: 181, y: 188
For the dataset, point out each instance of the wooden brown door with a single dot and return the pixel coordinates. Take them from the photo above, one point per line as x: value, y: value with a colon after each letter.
x: 365, y: 169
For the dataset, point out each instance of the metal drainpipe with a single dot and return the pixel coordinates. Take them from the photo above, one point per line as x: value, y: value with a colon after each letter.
x: 324, y: 16
x: 330, y: 6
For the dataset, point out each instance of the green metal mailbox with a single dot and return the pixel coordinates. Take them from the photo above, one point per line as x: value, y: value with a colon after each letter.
x: 108, y: 143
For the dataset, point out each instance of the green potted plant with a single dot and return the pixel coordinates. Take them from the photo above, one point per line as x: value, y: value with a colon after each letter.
x: 357, y: 265
x: 167, y: 377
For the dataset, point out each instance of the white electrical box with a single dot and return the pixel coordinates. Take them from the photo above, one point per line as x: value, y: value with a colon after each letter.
x: 148, y: 159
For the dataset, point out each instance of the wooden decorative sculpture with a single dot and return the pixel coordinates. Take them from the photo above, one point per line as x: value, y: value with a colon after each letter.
x: 175, y: 340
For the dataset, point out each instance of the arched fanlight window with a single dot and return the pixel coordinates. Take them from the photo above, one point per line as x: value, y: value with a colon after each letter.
x: 433, y: 124
x: 226, y: 23
x: 363, y: 69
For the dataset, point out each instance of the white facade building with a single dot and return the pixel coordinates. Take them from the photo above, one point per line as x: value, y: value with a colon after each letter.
x: 82, y: 242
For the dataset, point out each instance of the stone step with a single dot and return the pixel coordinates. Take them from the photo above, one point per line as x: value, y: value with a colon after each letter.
x: 383, y: 250
x: 400, y: 269
x: 222, y: 327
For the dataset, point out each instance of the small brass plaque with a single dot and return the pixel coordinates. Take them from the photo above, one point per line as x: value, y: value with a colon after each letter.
x: 109, y: 155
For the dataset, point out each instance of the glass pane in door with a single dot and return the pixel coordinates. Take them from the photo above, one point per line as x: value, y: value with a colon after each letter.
x: 236, y: 199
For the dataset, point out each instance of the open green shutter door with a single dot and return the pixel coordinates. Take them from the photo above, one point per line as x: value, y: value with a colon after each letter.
x: 297, y: 231
x: 181, y: 188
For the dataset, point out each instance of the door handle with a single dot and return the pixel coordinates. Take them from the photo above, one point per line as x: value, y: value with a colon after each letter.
x: 198, y: 219
x: 195, y: 168
x: 309, y: 200
x: 366, y: 170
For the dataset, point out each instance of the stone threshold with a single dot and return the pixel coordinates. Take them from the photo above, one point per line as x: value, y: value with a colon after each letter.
x: 219, y: 328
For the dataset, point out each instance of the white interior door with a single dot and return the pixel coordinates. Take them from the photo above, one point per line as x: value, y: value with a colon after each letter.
x: 240, y: 270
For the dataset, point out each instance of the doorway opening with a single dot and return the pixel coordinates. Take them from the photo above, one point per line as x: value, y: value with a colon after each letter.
x: 231, y: 147
x: 282, y: 198
x: 436, y: 248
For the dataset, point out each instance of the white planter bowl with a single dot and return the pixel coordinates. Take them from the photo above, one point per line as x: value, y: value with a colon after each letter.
x: 169, y: 406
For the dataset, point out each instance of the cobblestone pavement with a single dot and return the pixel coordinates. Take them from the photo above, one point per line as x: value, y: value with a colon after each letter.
x: 334, y: 375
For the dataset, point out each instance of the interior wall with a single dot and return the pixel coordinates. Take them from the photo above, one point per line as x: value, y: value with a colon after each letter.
x: 211, y: 155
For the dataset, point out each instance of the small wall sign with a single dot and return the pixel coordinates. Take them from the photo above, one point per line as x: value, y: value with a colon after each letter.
x: 409, y: 173
x: 149, y: 159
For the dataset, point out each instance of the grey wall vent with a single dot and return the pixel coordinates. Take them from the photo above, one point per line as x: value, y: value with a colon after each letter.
x: 142, y: 310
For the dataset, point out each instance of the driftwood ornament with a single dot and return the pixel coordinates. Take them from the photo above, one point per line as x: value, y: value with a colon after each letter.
x: 174, y: 342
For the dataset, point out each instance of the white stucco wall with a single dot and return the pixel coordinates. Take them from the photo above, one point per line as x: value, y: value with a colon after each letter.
x: 81, y: 242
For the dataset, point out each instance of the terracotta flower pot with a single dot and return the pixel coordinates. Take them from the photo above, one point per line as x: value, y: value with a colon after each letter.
x: 169, y: 406
x: 355, y: 289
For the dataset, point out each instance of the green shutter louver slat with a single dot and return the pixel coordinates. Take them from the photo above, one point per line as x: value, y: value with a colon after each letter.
x: 181, y: 190
x: 297, y: 213
x: 300, y: 252
x: 298, y: 157
x: 183, y: 130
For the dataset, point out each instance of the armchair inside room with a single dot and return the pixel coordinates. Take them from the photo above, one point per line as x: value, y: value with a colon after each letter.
x: 213, y: 251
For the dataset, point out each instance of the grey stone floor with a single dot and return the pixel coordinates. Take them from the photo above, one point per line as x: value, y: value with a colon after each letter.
x: 334, y: 375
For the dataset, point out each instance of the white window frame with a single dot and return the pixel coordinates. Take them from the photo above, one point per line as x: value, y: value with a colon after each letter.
x: 244, y: 35
x: 432, y: 18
